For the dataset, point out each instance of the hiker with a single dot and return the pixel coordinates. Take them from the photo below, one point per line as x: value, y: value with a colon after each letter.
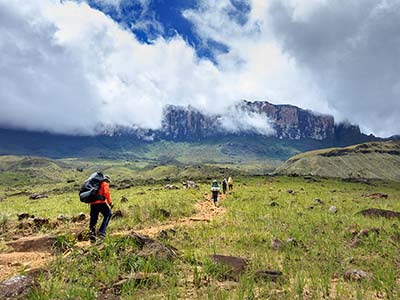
x: 215, y: 191
x: 230, y: 184
x: 224, y: 185
x: 103, y: 205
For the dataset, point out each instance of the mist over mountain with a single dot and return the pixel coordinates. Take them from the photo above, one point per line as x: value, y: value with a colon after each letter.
x: 258, y: 129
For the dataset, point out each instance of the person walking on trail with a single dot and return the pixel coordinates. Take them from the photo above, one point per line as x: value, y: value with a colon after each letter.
x: 215, y: 191
x: 230, y: 184
x: 103, y: 205
x: 224, y: 185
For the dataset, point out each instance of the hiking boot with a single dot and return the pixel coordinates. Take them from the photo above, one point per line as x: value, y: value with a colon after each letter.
x: 100, y: 241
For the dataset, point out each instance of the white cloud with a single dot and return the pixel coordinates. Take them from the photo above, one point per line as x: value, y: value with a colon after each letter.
x: 238, y: 120
x: 66, y: 67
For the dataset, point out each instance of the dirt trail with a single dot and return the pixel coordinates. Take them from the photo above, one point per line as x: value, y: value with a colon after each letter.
x: 35, y: 251
x: 205, y: 212
x: 26, y: 253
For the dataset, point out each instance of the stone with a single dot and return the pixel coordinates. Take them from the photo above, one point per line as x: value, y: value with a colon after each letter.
x: 152, y: 248
x: 356, y: 275
x: 37, y: 196
x: 292, y: 241
x: 269, y: 275
x: 23, y: 216
x: 291, y: 192
x: 273, y: 204
x: 171, y: 187
x: 79, y: 217
x: 333, y: 210
x: 318, y: 201
x: 15, y: 287
x: 376, y: 212
x: 40, y: 222
x: 276, y: 244
x: 236, y: 264
x: 164, y: 213
x: 376, y: 196
x: 124, y: 199
x: 117, y: 214
x: 166, y: 233
x: 190, y: 185
x: 33, y: 244
x: 62, y: 218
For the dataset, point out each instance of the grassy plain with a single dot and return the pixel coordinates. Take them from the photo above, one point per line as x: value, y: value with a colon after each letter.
x: 312, y: 247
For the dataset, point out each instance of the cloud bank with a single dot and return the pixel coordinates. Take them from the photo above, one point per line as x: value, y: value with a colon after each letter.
x: 67, y: 67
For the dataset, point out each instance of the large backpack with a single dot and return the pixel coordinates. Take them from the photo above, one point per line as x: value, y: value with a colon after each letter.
x: 89, y: 191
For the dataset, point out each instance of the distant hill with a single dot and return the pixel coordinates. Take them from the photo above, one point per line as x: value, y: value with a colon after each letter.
x: 374, y: 160
x: 188, y: 135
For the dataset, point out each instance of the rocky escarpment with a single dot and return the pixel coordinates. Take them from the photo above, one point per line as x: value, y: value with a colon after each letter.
x: 181, y: 123
x: 288, y: 122
x: 291, y: 122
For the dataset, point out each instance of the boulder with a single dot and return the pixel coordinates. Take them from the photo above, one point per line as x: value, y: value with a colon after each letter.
x: 33, y: 244
x: 376, y: 212
x: 190, y: 185
x: 356, y: 275
x: 236, y: 264
x: 171, y: 187
x: 152, y: 248
x: 37, y: 196
x: 269, y: 275
x: 16, y: 287
x: 376, y: 196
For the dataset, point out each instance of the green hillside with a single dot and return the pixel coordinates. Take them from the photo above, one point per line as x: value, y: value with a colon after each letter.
x: 376, y: 160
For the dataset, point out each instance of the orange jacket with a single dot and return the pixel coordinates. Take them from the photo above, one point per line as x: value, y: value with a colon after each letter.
x: 104, y: 191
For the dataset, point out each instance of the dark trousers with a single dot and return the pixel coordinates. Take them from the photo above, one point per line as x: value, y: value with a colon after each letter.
x: 230, y: 187
x: 215, y: 197
x: 224, y: 189
x: 95, y: 209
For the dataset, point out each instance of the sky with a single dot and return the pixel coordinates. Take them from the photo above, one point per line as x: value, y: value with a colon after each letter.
x: 76, y: 66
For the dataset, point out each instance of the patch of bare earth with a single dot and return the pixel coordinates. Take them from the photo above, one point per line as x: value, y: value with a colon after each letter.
x: 26, y: 253
x: 206, y: 211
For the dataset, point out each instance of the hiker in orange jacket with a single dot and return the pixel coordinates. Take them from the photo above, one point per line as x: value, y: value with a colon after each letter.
x: 103, y: 205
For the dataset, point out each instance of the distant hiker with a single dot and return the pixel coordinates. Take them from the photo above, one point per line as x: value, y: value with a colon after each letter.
x: 102, y: 205
x: 230, y: 184
x: 224, y: 185
x: 215, y: 191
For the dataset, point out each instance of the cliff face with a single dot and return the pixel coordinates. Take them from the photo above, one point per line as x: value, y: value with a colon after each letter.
x: 289, y: 122
x: 181, y: 123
